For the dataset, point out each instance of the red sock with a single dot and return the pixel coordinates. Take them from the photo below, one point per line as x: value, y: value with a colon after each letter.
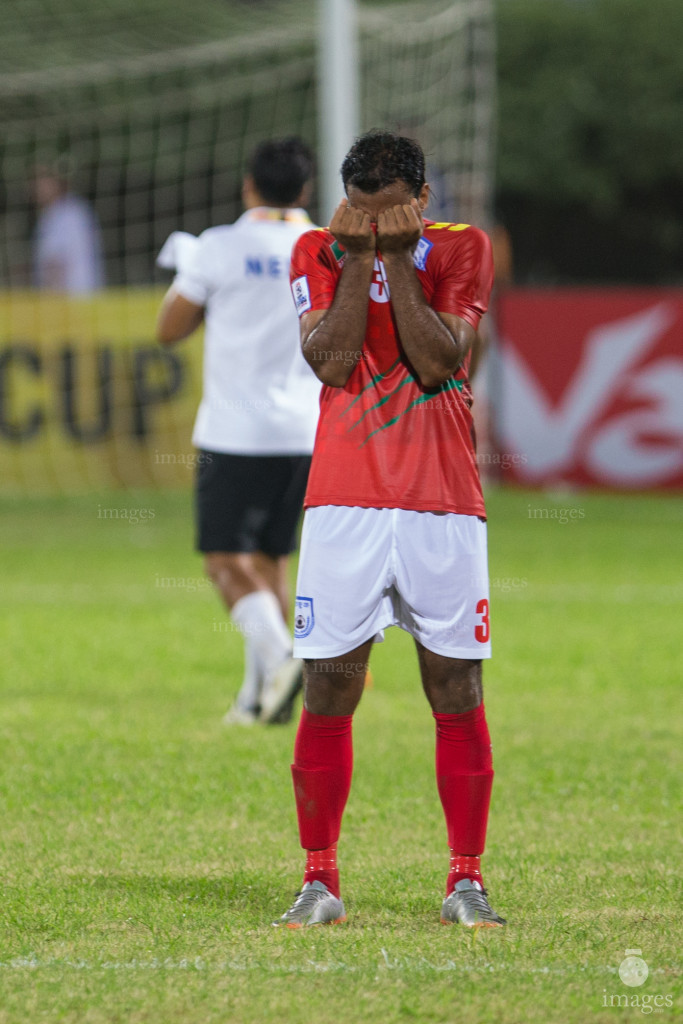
x: 463, y: 866
x: 321, y: 866
x: 464, y: 776
x: 322, y: 769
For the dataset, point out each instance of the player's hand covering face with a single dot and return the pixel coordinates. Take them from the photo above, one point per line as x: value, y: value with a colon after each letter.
x: 389, y: 220
x: 352, y: 228
x: 400, y: 227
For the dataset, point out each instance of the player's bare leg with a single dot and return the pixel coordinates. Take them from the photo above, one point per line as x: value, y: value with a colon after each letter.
x: 275, y: 571
x: 322, y: 769
x: 452, y: 686
x: 334, y: 686
x: 253, y: 587
x: 238, y: 573
x: 464, y: 774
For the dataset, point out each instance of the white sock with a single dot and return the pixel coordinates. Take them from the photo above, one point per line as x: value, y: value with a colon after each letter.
x: 250, y: 690
x: 259, y: 617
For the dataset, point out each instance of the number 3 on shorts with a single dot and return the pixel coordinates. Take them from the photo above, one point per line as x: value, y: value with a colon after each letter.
x: 483, y: 630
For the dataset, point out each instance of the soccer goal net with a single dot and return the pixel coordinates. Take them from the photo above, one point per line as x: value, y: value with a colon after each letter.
x: 156, y: 142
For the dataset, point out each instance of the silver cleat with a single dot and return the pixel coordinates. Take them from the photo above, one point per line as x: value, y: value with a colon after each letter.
x: 315, y: 904
x: 467, y: 905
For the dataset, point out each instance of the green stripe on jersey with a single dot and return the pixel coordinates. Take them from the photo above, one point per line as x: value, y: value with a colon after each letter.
x: 449, y: 385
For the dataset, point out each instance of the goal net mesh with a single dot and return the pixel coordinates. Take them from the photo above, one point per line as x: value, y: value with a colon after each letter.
x: 156, y: 141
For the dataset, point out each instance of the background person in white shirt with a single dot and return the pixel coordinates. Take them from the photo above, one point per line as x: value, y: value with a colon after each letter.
x: 67, y: 251
x: 258, y: 414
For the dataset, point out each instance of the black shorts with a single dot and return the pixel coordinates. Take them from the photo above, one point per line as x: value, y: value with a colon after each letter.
x: 249, y: 502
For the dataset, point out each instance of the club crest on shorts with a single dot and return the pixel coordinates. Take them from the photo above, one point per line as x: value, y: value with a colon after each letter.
x: 304, y: 619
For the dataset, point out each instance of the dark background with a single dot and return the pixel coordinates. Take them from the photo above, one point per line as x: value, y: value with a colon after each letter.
x: 589, y: 141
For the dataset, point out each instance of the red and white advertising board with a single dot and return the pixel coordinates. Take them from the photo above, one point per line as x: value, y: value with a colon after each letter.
x: 588, y: 388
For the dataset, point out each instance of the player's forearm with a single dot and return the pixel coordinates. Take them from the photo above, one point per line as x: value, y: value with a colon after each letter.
x: 433, y: 351
x: 334, y: 346
x: 177, y: 318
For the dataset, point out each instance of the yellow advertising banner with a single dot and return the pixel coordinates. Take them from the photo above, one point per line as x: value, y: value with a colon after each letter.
x: 88, y: 399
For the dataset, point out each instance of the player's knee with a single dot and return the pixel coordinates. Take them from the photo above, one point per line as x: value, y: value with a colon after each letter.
x: 212, y: 567
x: 454, y: 686
x: 219, y: 563
x: 333, y: 687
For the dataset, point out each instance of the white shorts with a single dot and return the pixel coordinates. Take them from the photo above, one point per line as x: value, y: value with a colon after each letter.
x: 363, y: 569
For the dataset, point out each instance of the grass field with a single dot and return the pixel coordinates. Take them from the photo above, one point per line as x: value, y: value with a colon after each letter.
x: 145, y: 848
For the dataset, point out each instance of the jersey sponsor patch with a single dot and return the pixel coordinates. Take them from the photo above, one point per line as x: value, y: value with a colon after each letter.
x: 304, y: 619
x: 421, y: 253
x: 302, y: 296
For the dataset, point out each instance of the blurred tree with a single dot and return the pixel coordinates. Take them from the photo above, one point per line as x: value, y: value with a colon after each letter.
x: 590, y: 140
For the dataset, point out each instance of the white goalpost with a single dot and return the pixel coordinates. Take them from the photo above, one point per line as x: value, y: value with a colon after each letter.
x: 338, y: 88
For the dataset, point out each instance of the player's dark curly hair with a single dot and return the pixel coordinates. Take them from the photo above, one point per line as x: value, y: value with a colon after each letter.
x: 379, y: 158
x: 280, y: 169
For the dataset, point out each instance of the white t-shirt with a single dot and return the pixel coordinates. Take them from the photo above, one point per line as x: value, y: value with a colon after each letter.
x: 68, y: 248
x: 260, y: 397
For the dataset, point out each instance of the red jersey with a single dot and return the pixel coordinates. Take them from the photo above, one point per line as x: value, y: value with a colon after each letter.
x: 384, y: 440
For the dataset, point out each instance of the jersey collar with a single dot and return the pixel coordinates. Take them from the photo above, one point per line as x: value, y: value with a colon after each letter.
x: 291, y: 216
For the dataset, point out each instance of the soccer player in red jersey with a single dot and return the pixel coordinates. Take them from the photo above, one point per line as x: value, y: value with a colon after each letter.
x: 394, y: 531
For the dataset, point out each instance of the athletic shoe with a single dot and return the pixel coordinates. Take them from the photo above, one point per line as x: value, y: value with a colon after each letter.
x: 238, y: 715
x: 281, y: 688
x: 467, y: 905
x: 315, y: 904
x: 285, y: 713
